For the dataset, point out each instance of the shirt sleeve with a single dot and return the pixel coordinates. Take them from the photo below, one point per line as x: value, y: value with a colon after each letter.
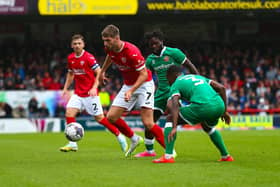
x: 208, y: 81
x: 174, y: 91
x: 138, y: 61
x: 149, y: 63
x: 92, y: 62
x: 179, y: 56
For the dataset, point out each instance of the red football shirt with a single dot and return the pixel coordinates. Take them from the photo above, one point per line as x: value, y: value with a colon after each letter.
x: 83, y: 67
x: 129, y: 61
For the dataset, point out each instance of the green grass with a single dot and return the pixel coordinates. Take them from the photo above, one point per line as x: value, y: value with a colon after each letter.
x: 34, y: 160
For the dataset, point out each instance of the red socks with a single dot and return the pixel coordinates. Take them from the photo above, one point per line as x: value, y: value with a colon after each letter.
x: 109, y: 126
x: 124, y: 128
x: 157, y: 132
x: 70, y: 120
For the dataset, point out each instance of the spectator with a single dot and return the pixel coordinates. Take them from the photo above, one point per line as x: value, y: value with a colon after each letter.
x: 104, y: 99
x: 43, y: 111
x: 33, y: 107
x: 263, y: 106
x: 5, y: 110
x: 60, y: 110
x: 19, y: 112
x: 47, y: 80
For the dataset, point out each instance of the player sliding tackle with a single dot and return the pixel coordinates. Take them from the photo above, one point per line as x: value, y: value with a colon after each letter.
x: 138, y: 86
x: 207, y: 104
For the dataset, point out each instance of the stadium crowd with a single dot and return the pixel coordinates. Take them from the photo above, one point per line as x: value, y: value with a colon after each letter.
x: 251, y: 75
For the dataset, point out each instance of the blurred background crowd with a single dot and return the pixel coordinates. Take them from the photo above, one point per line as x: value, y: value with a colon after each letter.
x: 251, y: 74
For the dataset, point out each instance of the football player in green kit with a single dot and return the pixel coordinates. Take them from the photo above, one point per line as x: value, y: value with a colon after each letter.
x: 159, y: 61
x: 207, y: 100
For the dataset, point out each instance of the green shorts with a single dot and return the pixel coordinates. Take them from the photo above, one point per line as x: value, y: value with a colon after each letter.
x: 160, y: 103
x: 209, y: 112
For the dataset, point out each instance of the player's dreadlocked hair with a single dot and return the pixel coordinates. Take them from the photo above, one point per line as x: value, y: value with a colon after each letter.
x: 156, y: 33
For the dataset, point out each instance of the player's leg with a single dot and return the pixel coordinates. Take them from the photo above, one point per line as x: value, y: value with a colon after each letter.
x: 170, y: 153
x: 94, y: 108
x: 217, y: 140
x: 185, y: 116
x: 73, y: 107
x: 214, y: 110
x: 146, y: 102
x: 114, y: 116
x: 105, y: 122
x: 147, y: 119
x: 149, y: 139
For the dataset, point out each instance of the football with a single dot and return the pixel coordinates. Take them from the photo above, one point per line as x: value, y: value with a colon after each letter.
x: 74, y: 131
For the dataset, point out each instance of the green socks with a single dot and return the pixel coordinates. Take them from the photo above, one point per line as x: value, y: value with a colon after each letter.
x: 217, y: 139
x: 149, y: 144
x: 169, y: 146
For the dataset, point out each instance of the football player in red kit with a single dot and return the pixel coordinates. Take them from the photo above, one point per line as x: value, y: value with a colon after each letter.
x: 138, y: 87
x: 84, y: 70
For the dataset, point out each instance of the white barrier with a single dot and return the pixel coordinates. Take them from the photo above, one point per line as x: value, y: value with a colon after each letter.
x: 23, y: 125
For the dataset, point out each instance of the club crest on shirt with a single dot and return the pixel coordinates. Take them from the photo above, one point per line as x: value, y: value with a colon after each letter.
x: 82, y: 63
x: 166, y: 58
x: 123, y: 59
x: 153, y: 61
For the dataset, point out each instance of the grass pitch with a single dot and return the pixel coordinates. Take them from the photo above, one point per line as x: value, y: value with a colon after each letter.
x: 34, y: 160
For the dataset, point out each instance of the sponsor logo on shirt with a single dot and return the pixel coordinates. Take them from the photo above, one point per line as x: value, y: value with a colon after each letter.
x: 79, y: 71
x: 163, y: 66
x: 166, y: 58
x: 122, y: 68
x: 82, y: 63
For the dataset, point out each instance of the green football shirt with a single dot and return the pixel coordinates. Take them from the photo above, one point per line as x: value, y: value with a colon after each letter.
x: 159, y: 64
x: 193, y: 88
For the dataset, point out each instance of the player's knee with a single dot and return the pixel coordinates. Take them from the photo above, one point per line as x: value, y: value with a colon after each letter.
x: 148, y: 125
x: 111, y: 119
x: 99, y: 117
x: 69, y: 113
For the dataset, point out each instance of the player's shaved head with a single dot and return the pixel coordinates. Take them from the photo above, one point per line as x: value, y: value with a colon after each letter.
x: 172, y: 73
x: 110, y: 31
x: 174, y: 70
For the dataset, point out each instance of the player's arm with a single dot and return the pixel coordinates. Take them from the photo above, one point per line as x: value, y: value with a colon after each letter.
x: 107, y: 63
x: 173, y: 109
x: 93, y: 90
x: 221, y: 90
x: 68, y: 82
x: 188, y: 64
x: 143, y: 75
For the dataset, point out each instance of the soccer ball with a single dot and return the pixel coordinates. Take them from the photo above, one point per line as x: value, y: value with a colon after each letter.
x: 74, y: 131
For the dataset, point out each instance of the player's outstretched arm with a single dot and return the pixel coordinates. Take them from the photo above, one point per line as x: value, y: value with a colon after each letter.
x: 173, y: 108
x: 102, y: 78
x: 93, y: 90
x: 143, y: 75
x: 221, y: 90
x: 68, y: 82
x: 226, y: 118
